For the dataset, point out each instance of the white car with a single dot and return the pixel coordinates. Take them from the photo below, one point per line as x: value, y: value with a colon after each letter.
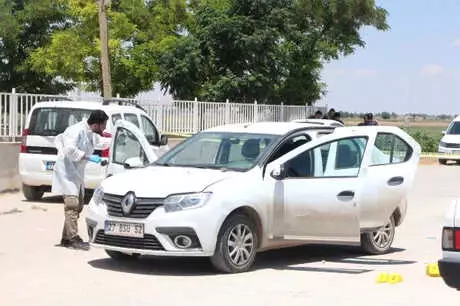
x: 324, y: 122
x: 449, y: 264
x: 450, y: 142
x: 231, y: 191
x: 47, y: 119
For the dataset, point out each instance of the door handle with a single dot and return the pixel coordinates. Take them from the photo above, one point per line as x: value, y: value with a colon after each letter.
x: 346, y: 195
x: 394, y: 181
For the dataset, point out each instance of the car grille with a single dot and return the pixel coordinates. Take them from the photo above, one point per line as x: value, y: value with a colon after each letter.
x: 149, y: 242
x: 453, y: 145
x: 144, y: 206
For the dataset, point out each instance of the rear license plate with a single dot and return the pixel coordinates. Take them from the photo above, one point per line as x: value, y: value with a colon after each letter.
x: 49, y: 165
x: 124, y: 229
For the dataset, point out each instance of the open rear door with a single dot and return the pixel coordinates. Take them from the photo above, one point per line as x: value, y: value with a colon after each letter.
x: 130, y: 149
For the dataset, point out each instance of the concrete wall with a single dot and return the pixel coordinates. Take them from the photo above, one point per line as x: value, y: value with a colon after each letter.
x: 9, y: 175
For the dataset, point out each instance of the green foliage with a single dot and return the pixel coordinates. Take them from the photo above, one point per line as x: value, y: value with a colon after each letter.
x: 428, y: 141
x: 24, y: 26
x: 271, y: 51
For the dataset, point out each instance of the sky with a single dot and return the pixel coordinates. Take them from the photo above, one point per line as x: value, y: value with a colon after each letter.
x: 412, y: 67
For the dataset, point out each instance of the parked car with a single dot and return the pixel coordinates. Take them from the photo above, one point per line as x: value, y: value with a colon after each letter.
x: 325, y: 122
x: 449, y: 264
x: 231, y: 191
x: 49, y: 118
x: 450, y: 142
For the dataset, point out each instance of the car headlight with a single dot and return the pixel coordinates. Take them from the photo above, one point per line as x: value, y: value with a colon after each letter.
x: 178, y: 202
x: 98, y: 195
x: 442, y: 144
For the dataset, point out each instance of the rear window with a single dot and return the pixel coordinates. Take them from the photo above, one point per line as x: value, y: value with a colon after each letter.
x: 53, y: 121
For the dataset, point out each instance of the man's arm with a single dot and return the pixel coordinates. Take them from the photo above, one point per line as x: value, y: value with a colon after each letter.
x: 69, y: 145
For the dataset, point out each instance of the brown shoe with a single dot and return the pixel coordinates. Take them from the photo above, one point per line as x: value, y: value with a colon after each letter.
x: 78, y: 245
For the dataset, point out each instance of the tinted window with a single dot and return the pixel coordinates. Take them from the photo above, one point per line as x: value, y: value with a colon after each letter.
x: 454, y: 128
x: 149, y: 130
x: 115, y: 118
x: 340, y: 158
x: 53, y: 121
x: 389, y: 149
x: 132, y: 118
x: 127, y: 146
x: 238, y: 151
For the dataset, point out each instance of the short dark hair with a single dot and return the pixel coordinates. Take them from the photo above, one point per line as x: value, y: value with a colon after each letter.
x: 97, y: 117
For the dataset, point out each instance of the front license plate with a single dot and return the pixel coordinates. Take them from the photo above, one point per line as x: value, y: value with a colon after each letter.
x: 124, y: 229
x: 49, y: 165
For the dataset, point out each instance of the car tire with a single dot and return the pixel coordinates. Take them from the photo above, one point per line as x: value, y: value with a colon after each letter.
x: 380, y: 241
x: 240, y: 231
x: 119, y: 256
x: 32, y: 193
x: 443, y: 161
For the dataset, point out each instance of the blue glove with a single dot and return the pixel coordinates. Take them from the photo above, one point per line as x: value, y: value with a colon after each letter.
x: 95, y: 159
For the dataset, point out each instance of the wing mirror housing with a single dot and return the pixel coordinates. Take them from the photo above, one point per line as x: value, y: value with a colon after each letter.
x: 443, y: 132
x: 163, y: 140
x: 278, y: 172
x: 133, y: 162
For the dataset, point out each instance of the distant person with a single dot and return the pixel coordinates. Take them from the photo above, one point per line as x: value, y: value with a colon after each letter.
x: 330, y: 114
x: 337, y: 117
x: 318, y: 115
x: 368, y: 119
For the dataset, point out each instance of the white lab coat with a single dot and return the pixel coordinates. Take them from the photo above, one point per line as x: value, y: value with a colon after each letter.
x: 73, y: 144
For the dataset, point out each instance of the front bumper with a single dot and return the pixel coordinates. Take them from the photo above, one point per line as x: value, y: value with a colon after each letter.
x: 160, y: 231
x: 450, y: 272
x: 451, y: 153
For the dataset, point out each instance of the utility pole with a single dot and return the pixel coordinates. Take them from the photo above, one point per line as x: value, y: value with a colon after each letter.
x: 105, y: 62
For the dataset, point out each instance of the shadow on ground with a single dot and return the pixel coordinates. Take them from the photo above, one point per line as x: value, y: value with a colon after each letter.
x: 304, y: 258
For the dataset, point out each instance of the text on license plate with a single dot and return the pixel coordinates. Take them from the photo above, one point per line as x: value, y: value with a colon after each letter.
x: 49, y: 165
x: 124, y: 229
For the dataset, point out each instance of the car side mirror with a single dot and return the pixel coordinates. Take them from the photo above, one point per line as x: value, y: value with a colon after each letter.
x: 278, y: 172
x: 133, y: 162
x: 443, y: 132
x: 163, y: 140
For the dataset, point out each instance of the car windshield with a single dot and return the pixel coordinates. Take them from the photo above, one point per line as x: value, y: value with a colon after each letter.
x: 52, y: 121
x: 219, y: 150
x: 454, y: 129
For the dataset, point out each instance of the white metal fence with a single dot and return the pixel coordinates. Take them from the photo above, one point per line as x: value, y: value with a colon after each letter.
x: 178, y: 117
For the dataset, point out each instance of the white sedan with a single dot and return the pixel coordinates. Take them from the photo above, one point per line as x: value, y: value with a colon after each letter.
x: 231, y: 191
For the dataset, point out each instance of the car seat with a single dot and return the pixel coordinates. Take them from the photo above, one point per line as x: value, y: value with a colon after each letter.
x: 251, y: 149
x: 345, y: 157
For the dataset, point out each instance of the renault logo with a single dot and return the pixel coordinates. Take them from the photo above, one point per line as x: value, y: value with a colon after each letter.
x: 128, y: 203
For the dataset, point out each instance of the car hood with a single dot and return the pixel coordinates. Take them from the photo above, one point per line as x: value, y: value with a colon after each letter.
x: 159, y: 182
x: 451, y: 138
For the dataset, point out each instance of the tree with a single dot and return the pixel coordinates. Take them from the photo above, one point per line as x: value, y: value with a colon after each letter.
x: 271, y: 50
x: 24, y: 26
x: 137, y: 31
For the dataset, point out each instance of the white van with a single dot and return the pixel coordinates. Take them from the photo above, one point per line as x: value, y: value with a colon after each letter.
x: 47, y: 119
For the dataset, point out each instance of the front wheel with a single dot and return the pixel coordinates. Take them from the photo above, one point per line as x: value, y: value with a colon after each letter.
x: 379, y: 242
x: 236, y: 245
x: 442, y: 161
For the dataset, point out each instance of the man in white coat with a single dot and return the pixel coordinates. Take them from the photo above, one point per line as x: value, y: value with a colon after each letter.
x: 75, y: 148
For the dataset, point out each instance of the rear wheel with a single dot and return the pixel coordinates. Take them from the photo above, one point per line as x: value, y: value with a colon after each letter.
x: 379, y: 242
x: 236, y: 245
x: 32, y: 193
x: 119, y: 256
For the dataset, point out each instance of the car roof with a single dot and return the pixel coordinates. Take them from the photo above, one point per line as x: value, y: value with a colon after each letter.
x: 91, y: 105
x: 273, y: 128
x: 324, y: 122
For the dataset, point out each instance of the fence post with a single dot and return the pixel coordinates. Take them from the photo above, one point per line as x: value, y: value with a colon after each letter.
x: 196, y: 119
x: 256, y: 114
x: 158, y: 109
x: 282, y: 112
x: 13, y: 113
x: 227, y: 111
x: 118, y: 96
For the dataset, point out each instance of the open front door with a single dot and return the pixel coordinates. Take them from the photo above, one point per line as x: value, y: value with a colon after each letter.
x: 317, y: 189
x: 130, y: 149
